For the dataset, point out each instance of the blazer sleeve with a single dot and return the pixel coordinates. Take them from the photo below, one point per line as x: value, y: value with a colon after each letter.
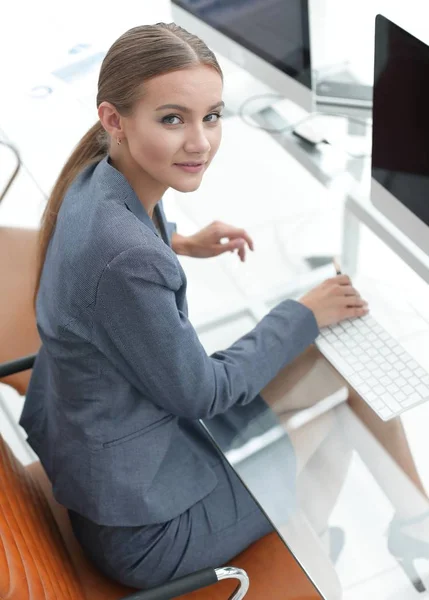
x: 139, y: 326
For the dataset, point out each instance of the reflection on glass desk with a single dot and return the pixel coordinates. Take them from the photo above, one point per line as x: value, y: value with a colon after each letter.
x: 341, y: 487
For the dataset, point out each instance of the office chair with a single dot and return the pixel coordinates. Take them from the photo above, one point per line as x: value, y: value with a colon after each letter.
x: 40, y: 559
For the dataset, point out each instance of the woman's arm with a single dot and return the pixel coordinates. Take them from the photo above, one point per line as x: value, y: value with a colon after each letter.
x: 140, y: 324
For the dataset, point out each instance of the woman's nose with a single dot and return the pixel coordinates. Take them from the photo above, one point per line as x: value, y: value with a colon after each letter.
x: 197, y: 141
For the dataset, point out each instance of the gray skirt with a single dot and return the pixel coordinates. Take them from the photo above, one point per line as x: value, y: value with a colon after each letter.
x: 212, y: 531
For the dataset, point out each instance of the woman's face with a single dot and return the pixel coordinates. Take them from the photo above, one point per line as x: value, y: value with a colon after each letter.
x: 175, y: 130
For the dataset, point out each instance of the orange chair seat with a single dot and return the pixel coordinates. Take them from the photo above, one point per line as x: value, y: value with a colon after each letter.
x: 273, y: 572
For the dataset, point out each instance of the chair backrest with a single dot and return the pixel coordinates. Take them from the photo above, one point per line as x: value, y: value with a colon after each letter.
x: 18, y: 331
x: 34, y: 563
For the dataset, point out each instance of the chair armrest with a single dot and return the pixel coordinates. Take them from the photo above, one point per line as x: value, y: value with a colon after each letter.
x: 17, y: 365
x: 195, y: 581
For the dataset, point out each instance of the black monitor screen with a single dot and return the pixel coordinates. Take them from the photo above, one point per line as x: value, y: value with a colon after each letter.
x: 400, y: 154
x: 275, y: 30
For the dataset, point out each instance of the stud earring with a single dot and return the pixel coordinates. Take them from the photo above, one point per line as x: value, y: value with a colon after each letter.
x: 118, y: 141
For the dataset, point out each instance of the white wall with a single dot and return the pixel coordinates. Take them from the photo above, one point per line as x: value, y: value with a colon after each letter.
x: 33, y: 33
x: 343, y: 30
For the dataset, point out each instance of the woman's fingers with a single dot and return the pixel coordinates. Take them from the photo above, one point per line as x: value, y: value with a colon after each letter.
x: 347, y: 290
x: 340, y: 280
x: 228, y: 231
x: 351, y: 312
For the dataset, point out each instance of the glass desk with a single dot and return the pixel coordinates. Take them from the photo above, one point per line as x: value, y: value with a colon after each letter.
x: 335, y: 481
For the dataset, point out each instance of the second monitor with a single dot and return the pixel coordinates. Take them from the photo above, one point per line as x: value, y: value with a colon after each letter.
x: 400, y: 154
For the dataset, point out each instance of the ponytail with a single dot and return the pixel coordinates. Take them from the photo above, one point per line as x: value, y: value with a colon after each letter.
x: 91, y: 148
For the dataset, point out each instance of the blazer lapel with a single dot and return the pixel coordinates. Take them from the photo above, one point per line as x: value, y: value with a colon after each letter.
x: 131, y: 201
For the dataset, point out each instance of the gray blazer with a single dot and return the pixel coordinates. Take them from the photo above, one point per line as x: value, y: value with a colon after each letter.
x: 121, y: 379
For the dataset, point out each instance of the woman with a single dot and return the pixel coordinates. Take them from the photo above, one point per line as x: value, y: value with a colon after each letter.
x: 122, y: 379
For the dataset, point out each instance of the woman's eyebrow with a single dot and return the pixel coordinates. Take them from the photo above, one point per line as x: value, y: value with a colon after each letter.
x: 184, y: 109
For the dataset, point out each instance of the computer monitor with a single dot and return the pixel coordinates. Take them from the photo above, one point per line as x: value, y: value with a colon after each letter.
x: 400, y: 154
x: 268, y: 38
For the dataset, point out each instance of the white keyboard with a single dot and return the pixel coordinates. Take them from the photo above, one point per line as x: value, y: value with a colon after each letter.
x: 381, y: 371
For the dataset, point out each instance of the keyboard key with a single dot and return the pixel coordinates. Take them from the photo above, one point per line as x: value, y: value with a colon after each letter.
x: 413, y: 365
x: 400, y: 396
x: 408, y: 402
x: 423, y: 390
x: 392, y: 388
x: 378, y: 404
x: 364, y: 388
x: 392, y: 359
x: 385, y: 413
x: 391, y: 402
x: 356, y: 379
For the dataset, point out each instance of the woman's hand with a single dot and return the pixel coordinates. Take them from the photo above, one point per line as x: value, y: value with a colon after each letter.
x: 213, y: 240
x: 335, y: 300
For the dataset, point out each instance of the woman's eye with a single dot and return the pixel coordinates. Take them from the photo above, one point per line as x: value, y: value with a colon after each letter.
x: 213, y: 117
x: 171, y: 120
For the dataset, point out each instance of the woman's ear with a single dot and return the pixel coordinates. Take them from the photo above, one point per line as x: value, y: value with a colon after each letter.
x: 110, y: 119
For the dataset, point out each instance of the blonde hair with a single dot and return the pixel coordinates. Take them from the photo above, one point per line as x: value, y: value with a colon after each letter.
x: 138, y: 55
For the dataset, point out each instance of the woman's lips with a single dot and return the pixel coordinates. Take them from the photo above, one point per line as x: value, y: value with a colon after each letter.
x: 191, y: 167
